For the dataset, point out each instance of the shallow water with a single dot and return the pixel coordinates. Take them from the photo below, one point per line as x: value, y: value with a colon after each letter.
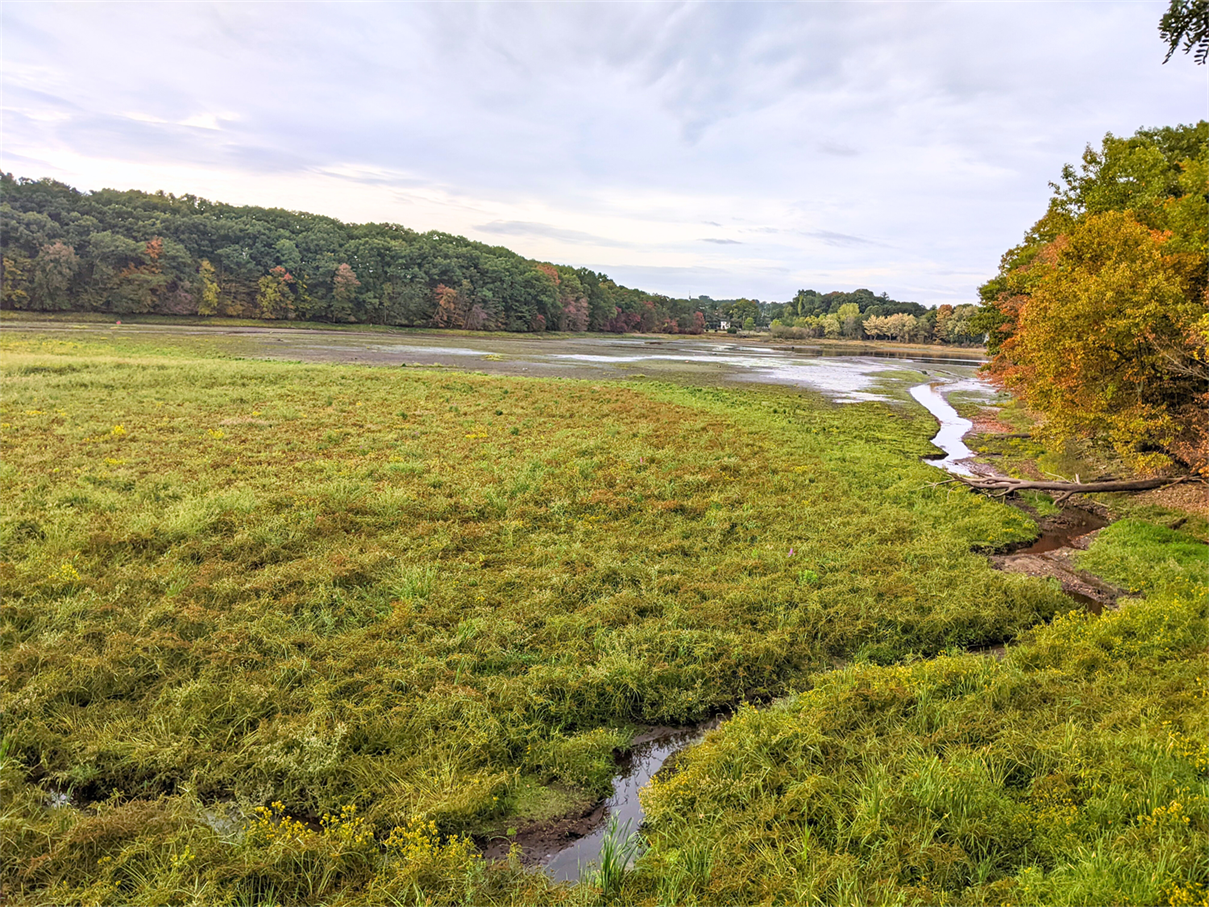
x: 851, y: 375
x: 1076, y: 523
x: 640, y: 766
x: 952, y: 429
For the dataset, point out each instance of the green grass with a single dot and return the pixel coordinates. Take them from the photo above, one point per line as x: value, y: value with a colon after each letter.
x: 1073, y: 772
x: 1043, y: 504
x: 422, y: 596
x: 1143, y: 557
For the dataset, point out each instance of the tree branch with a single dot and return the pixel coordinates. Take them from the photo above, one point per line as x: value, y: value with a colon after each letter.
x: 1004, y: 485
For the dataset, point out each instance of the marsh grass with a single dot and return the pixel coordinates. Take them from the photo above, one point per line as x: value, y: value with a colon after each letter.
x: 1075, y: 771
x: 420, y: 594
x: 621, y: 845
x: 1142, y: 557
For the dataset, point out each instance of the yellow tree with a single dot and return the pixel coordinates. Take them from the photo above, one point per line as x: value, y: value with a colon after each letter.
x: 273, y: 297
x: 208, y: 304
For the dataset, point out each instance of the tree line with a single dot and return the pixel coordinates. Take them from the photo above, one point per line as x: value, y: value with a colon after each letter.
x: 136, y: 252
x: 130, y: 252
x: 861, y: 314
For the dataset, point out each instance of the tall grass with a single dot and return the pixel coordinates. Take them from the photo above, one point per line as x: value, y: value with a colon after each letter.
x: 422, y: 595
x: 1075, y: 771
x: 620, y: 846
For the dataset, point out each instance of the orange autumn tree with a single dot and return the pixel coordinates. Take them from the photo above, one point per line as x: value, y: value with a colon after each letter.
x: 1098, y: 321
x: 1106, y: 345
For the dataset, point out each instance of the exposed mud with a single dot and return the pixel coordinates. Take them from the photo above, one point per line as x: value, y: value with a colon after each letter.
x: 987, y: 422
x: 540, y: 841
x: 843, y: 374
x: 1051, y: 555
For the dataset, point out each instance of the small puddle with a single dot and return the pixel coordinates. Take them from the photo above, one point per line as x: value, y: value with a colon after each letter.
x: 637, y: 769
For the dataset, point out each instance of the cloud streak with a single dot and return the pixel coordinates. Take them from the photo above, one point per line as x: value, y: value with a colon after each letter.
x: 547, y: 231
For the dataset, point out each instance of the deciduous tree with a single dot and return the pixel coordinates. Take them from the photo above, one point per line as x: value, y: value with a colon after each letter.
x: 54, y: 269
x: 344, y: 292
x: 209, y: 303
x: 1098, y: 319
x: 1107, y: 345
x: 274, y: 298
x: 1186, y: 22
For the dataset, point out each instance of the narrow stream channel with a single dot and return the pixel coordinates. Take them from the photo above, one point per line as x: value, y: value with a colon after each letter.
x: 1055, y: 535
x: 647, y: 758
x: 952, y: 429
x: 641, y: 765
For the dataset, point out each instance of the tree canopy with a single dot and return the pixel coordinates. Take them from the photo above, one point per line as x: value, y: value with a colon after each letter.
x: 1098, y: 319
x: 137, y: 252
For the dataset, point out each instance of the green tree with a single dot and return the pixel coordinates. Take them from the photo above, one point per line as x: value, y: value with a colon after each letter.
x: 1186, y: 22
x: 850, y: 320
x: 209, y: 302
x: 743, y: 309
x: 344, y: 293
x: 16, y: 281
x: 54, y: 269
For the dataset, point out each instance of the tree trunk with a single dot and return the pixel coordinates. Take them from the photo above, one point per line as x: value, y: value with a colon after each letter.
x: 1005, y: 485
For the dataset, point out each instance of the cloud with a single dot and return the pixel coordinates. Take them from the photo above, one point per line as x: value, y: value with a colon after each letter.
x: 548, y: 231
x: 837, y: 149
x: 839, y: 239
x: 884, y: 144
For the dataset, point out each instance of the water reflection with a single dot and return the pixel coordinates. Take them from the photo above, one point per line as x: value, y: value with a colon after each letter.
x: 623, y: 806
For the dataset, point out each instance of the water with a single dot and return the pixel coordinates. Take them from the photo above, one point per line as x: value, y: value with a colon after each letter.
x: 641, y: 765
x: 1075, y: 523
x: 952, y: 429
x: 851, y: 375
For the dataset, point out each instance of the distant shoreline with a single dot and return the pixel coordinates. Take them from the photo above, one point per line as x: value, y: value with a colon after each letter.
x: 14, y: 317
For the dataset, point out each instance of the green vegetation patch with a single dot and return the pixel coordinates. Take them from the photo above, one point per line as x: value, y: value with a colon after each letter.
x: 1073, y: 772
x: 419, y: 594
x: 1141, y: 556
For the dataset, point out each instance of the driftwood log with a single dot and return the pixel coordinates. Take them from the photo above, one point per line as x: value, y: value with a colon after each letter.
x: 1004, y: 485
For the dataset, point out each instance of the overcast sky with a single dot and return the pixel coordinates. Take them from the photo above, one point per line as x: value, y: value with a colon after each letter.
x: 685, y: 148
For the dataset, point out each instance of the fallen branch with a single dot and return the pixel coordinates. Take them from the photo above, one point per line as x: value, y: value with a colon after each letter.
x: 1004, y: 485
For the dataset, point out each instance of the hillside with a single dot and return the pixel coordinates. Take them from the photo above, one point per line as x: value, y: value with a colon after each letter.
x: 127, y: 253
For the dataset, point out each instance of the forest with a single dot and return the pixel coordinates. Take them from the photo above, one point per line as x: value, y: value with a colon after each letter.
x: 130, y: 253
x: 861, y: 315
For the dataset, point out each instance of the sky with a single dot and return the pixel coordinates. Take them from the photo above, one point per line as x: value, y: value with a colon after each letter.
x: 749, y: 149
